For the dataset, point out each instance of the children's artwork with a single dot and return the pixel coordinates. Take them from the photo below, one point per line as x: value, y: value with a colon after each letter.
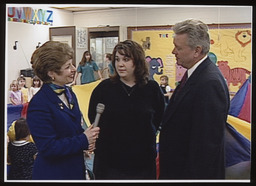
x: 230, y: 50
x: 236, y: 76
x: 81, y: 35
x: 146, y: 43
x: 155, y: 66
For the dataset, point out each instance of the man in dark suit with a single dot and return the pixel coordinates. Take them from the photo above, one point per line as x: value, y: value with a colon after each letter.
x: 192, y: 135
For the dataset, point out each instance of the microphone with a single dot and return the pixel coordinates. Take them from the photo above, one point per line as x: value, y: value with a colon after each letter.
x: 99, y: 109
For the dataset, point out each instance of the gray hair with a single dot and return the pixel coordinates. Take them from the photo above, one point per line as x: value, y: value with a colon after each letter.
x: 197, y: 33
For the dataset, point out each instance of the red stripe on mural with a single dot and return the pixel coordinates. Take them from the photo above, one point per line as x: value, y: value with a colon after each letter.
x: 245, y: 112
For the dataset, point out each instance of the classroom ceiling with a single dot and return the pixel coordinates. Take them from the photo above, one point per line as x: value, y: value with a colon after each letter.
x: 87, y: 8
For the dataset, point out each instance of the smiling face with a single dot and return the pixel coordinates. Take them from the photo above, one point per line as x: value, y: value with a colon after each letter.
x: 125, y: 67
x: 65, y: 75
x: 22, y: 83
x: 87, y: 56
x: 14, y: 87
x: 36, y: 83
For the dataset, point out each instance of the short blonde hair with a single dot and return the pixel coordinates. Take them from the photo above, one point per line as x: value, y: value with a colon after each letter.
x: 14, y: 82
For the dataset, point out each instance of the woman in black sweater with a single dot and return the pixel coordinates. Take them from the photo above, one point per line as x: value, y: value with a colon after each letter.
x: 134, y: 106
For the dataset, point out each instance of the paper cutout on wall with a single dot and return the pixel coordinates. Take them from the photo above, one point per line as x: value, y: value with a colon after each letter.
x: 233, y: 44
x: 155, y: 66
x: 234, y: 75
x: 146, y: 44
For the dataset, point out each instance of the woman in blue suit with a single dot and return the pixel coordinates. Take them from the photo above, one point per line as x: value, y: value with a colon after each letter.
x: 54, y: 117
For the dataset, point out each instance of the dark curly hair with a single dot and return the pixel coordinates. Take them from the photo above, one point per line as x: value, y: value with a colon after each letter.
x: 134, y: 51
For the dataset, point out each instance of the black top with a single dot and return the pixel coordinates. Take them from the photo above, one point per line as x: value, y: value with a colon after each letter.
x: 21, y: 155
x: 128, y: 125
x: 163, y: 89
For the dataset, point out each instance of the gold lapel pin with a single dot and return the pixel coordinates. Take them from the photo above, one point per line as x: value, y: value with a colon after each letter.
x: 61, y: 106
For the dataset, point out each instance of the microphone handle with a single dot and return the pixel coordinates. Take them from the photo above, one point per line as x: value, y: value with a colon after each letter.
x: 97, y: 119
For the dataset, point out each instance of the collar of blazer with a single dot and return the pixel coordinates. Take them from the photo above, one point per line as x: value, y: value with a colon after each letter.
x: 53, y: 97
x: 176, y: 99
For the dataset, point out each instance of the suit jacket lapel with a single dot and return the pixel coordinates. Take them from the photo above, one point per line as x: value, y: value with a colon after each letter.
x: 177, y: 97
x: 53, y: 97
x: 175, y: 101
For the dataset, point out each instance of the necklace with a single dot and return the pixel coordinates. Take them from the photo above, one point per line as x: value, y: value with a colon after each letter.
x: 126, y: 91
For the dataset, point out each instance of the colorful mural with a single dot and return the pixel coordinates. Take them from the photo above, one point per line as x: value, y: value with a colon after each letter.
x: 230, y: 50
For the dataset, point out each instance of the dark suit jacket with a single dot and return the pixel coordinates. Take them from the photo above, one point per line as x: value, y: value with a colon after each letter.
x: 58, y: 135
x: 191, y: 142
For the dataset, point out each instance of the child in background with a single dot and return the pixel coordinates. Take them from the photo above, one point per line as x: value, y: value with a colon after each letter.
x: 36, y: 85
x: 16, y: 97
x: 22, y: 86
x: 166, y: 89
x: 108, y: 59
x: 21, y: 153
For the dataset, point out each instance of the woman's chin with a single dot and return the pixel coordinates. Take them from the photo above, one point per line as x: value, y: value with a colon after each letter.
x: 69, y: 82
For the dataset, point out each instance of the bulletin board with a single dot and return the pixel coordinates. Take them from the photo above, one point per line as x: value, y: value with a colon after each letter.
x: 230, y: 50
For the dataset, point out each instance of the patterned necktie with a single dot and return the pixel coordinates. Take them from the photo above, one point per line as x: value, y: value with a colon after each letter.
x: 63, y: 89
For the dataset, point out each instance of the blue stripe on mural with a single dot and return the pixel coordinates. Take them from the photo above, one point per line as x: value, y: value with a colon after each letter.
x: 238, y: 100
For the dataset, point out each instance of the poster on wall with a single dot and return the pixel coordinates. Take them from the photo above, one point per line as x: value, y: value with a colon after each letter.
x: 230, y: 50
x: 81, y: 38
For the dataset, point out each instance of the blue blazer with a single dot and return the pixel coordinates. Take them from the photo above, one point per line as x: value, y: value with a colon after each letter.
x: 58, y: 135
x: 191, y: 144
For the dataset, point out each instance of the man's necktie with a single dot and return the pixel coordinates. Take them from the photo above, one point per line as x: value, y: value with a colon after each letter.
x: 63, y: 89
x: 181, y: 85
x: 183, y: 80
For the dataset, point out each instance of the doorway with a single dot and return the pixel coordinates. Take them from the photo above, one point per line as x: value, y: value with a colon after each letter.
x: 65, y: 35
x: 101, y: 41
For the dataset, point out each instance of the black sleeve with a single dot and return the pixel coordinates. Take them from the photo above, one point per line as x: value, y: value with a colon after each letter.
x: 95, y: 98
x: 159, y: 104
